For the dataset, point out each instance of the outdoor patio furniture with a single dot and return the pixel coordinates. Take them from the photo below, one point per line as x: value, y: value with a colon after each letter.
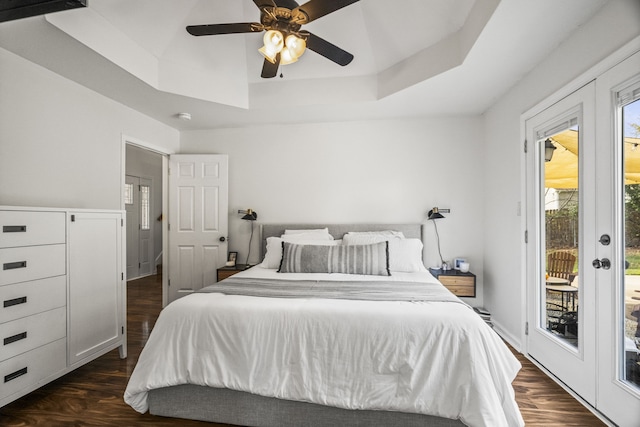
x: 560, y: 264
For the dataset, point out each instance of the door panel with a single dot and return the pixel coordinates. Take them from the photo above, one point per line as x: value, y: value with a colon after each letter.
x: 618, y: 98
x: 561, y: 197
x: 198, y: 217
x: 132, y: 207
x: 138, y: 204
x: 146, y: 258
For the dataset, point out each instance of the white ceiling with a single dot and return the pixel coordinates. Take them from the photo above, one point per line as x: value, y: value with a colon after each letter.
x: 412, y: 57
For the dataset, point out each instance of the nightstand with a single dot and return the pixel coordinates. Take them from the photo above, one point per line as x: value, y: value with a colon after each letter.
x: 224, y: 272
x: 459, y: 283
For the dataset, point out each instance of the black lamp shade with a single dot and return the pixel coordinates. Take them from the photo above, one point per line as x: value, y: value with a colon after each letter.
x: 249, y: 215
x: 434, y: 214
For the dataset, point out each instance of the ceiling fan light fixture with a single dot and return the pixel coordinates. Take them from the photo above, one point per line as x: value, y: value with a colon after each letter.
x: 273, y: 44
x: 268, y: 54
x: 287, y: 57
x: 295, y: 45
x: 273, y: 40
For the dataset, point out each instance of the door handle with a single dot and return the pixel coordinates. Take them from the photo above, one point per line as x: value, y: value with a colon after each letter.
x: 604, y: 263
x: 222, y: 238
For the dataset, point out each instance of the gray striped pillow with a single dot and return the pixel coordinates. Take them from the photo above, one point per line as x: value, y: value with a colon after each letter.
x: 350, y: 259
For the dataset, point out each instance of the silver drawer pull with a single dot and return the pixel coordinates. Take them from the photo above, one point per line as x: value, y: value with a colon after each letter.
x: 14, y: 338
x: 14, y: 228
x: 16, y: 374
x: 14, y: 301
x: 14, y: 265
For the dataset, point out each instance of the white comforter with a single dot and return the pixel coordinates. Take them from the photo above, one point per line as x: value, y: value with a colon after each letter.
x: 436, y: 358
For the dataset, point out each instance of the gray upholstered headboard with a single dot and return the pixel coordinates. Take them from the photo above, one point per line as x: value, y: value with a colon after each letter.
x: 336, y: 230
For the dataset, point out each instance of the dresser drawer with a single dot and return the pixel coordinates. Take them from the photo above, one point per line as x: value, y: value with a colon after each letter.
x: 20, y: 228
x: 25, y: 299
x: 31, y: 262
x: 22, y: 335
x: 32, y: 368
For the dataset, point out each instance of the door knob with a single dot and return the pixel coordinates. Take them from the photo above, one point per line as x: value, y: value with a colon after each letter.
x: 604, y: 263
x: 222, y: 238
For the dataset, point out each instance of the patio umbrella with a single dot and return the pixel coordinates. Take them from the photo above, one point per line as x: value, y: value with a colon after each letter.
x: 562, y: 170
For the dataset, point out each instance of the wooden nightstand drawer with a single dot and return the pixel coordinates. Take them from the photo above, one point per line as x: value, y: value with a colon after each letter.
x: 467, y: 290
x: 460, y: 284
x: 224, y: 272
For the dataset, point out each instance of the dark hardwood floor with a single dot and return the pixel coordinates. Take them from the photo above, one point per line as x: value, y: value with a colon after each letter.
x: 92, y: 394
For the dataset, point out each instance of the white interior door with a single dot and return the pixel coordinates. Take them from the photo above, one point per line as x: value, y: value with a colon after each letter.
x: 138, y: 204
x: 145, y: 234
x: 198, y: 221
x: 561, y: 220
x: 618, y: 297
x: 132, y: 206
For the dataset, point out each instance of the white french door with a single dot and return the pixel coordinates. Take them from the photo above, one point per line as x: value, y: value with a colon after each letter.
x: 198, y: 221
x: 618, y: 289
x: 561, y: 203
x: 583, y: 201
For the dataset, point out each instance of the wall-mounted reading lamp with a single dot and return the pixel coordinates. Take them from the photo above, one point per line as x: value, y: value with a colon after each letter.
x: 249, y: 215
x: 434, y: 214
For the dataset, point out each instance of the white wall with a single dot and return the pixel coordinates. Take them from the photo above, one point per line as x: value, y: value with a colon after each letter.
x: 373, y: 171
x: 616, y: 24
x: 61, y: 143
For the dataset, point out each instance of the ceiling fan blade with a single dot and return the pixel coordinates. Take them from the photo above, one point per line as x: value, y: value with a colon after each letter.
x: 315, y: 9
x: 289, y: 4
x: 270, y: 70
x: 263, y: 3
x: 328, y: 50
x: 215, y: 29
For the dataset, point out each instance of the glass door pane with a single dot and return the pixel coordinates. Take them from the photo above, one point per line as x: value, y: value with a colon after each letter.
x: 560, y: 222
x: 631, y: 282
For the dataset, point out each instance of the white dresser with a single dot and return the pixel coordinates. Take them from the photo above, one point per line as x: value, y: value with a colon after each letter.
x: 62, y: 293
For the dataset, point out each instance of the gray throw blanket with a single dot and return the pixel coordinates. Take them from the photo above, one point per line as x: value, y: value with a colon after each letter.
x: 350, y: 290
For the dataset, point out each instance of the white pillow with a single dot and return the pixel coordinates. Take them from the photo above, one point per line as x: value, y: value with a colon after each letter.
x: 405, y: 255
x: 311, y: 230
x: 367, y: 239
x: 307, y: 236
x: 273, y: 254
x: 392, y: 233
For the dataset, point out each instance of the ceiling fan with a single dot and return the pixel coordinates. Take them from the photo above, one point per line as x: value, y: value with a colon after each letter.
x: 284, y: 41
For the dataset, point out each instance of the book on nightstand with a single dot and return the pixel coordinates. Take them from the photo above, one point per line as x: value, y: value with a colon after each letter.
x: 484, y: 314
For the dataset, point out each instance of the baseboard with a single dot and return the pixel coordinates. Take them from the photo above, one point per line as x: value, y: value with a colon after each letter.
x: 513, y: 341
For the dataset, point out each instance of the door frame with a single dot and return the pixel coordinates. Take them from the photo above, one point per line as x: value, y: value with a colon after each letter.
x: 165, y: 153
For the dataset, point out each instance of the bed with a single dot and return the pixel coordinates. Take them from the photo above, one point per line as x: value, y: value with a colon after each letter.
x: 362, y: 343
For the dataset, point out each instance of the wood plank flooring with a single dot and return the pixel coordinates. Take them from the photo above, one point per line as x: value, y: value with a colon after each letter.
x: 92, y: 394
